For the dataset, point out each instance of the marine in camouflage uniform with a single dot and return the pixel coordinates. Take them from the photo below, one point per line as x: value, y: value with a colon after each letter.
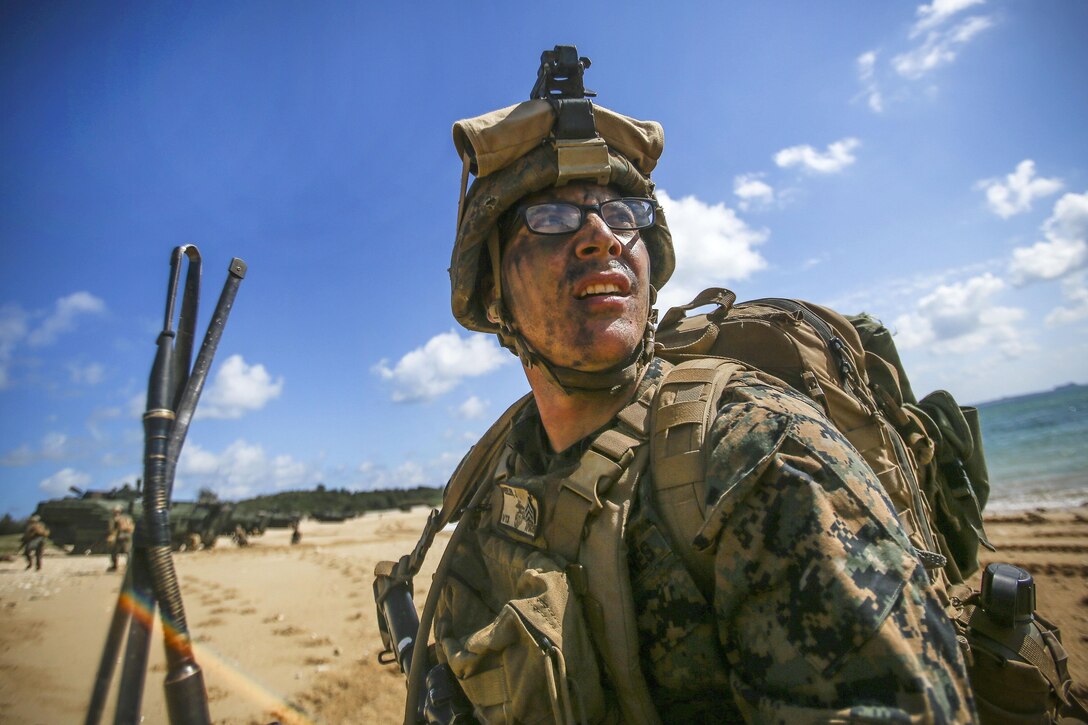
x: 120, y: 536
x: 33, y: 541
x: 817, y: 608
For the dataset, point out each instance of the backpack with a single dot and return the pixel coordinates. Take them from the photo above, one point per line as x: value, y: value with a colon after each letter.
x: 954, y: 477
x: 927, y: 454
x: 819, y: 353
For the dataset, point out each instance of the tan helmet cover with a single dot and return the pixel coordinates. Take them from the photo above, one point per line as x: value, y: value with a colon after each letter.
x: 512, y: 153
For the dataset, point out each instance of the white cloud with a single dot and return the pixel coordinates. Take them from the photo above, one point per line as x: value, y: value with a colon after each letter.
x: 436, y: 368
x: 238, y: 389
x: 1075, y: 292
x: 58, y: 483
x: 1065, y: 249
x: 939, y: 48
x: 837, y: 157
x: 1016, y: 192
x: 960, y: 318
x: 409, y: 473
x: 937, y: 12
x: 63, y: 318
x: 89, y: 374
x: 713, y: 246
x: 867, y: 77
x: 752, y: 191
x: 53, y: 446
x: 1069, y: 220
x: 472, y: 408
x: 13, y: 328
x: 242, y: 469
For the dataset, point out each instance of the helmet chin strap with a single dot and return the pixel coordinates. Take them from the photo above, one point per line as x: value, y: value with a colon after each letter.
x: 572, y: 380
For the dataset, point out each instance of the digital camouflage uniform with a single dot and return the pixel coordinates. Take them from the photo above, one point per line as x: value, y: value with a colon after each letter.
x: 33, y: 542
x: 119, y: 537
x: 820, y: 610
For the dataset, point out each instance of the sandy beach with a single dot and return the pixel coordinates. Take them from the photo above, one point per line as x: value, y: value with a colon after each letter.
x: 289, y: 633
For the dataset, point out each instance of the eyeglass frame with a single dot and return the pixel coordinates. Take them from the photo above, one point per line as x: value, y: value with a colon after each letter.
x: 583, y: 209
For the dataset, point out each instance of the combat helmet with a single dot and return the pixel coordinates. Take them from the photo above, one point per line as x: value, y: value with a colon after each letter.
x: 558, y: 136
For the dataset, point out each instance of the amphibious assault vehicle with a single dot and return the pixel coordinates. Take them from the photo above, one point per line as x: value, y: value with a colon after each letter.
x: 81, y: 522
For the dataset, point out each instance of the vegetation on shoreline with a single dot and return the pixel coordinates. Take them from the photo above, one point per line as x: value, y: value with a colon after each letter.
x: 342, y: 502
x: 319, y: 502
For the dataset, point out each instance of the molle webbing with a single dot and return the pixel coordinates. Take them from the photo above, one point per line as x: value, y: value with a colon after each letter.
x: 683, y: 412
x: 607, y: 458
x: 586, y: 529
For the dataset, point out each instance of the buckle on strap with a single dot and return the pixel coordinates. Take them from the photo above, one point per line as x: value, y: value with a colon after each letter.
x: 595, y: 474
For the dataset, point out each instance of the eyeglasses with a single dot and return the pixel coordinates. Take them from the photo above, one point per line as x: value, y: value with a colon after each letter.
x: 561, y: 217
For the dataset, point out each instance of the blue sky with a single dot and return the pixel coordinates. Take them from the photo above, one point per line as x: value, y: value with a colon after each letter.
x: 924, y: 163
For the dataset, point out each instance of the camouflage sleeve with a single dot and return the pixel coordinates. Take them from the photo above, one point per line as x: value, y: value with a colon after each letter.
x: 823, y: 610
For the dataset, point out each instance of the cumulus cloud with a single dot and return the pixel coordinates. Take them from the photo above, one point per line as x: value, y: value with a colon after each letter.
x: 1075, y: 292
x: 937, y: 12
x: 16, y: 328
x: 13, y: 329
x: 713, y: 246
x: 939, y: 47
x: 89, y: 374
x: 752, y: 191
x: 53, y: 446
x: 242, y: 469
x: 238, y: 389
x: 472, y: 408
x: 410, y: 473
x: 866, y: 64
x: 1065, y: 249
x: 59, y: 482
x: 960, y: 318
x: 407, y: 474
x: 837, y: 157
x: 1015, y: 193
x: 444, y: 361
x: 64, y: 315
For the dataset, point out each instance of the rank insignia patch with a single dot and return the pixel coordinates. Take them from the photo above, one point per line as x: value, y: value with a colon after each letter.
x: 520, y: 510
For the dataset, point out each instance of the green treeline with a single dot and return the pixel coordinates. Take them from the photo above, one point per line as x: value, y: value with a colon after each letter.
x: 341, y: 502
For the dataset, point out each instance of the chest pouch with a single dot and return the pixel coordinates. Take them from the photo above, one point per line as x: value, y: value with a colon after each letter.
x: 533, y: 662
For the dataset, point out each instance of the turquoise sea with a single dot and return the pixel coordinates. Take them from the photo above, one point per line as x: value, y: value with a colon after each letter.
x: 1037, y: 449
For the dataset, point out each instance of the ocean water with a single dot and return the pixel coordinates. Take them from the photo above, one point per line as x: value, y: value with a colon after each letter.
x: 1037, y: 449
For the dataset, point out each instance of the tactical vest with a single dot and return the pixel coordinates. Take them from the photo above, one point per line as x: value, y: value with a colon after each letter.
x: 550, y: 551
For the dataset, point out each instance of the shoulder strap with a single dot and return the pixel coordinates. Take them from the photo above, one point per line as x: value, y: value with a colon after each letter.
x: 471, y: 472
x: 606, y: 459
x: 682, y: 413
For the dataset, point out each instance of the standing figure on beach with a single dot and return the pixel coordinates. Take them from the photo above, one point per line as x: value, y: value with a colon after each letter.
x: 813, y: 606
x: 239, y: 536
x: 296, y: 535
x: 119, y: 537
x: 33, y: 542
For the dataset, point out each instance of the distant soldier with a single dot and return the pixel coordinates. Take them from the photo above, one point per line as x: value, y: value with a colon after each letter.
x: 33, y: 543
x: 120, y: 536
x: 193, y: 542
x: 296, y: 535
x: 240, y: 537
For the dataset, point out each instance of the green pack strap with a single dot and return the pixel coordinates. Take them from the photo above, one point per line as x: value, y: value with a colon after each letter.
x: 678, y: 460
x: 680, y: 427
x: 606, y: 459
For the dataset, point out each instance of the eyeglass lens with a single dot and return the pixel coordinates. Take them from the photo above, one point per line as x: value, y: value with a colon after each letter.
x: 564, y: 217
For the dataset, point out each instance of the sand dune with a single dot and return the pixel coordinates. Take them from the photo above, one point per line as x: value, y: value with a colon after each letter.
x: 289, y: 632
